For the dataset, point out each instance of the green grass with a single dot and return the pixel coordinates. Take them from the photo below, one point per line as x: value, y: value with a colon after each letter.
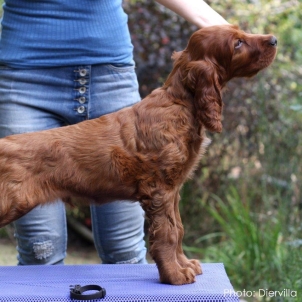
x: 255, y: 246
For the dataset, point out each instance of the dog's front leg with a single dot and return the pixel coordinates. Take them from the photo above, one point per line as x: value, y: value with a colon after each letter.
x: 181, y: 258
x: 164, y: 239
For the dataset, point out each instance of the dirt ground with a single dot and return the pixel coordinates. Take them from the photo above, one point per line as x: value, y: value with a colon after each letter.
x: 77, y: 253
x: 79, y: 250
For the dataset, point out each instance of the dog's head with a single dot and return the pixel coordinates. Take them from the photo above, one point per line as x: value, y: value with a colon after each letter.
x: 213, y: 56
x: 232, y: 52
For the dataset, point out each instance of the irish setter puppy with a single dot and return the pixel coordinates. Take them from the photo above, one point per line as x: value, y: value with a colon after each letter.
x: 142, y: 153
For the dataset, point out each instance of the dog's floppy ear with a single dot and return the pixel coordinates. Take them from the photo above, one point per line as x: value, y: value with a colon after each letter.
x: 176, y: 55
x: 202, y: 80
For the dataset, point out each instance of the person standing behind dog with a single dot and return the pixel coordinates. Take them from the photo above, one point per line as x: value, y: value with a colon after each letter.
x: 63, y: 62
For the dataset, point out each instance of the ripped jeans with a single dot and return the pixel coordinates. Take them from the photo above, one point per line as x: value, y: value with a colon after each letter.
x: 34, y: 100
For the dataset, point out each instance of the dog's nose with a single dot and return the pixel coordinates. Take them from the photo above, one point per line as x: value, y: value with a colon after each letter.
x: 273, y: 41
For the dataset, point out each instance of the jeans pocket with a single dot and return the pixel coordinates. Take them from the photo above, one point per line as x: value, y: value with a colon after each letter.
x: 121, y: 67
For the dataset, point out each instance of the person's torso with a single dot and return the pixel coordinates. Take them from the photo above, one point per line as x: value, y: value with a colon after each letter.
x: 48, y: 33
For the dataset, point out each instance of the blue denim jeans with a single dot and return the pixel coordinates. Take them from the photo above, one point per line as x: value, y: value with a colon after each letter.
x: 39, y: 99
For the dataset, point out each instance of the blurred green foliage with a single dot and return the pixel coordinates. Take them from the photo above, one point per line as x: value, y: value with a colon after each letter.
x: 260, y: 147
x: 254, y: 246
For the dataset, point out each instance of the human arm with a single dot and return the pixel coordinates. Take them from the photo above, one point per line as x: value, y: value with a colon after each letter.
x: 194, y: 11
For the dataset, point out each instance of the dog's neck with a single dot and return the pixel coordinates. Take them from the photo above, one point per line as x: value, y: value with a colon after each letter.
x: 175, y: 83
x: 192, y: 91
x: 182, y: 96
x: 174, y: 86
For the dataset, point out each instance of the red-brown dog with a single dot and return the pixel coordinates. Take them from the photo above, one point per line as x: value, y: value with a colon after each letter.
x: 144, y: 152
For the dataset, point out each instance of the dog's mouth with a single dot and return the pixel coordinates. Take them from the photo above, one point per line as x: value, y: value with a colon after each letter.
x: 268, y: 58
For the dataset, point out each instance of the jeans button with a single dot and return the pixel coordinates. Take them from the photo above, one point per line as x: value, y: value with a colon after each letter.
x: 81, y: 109
x: 82, y: 100
x: 82, y: 81
x: 82, y: 90
x: 83, y: 72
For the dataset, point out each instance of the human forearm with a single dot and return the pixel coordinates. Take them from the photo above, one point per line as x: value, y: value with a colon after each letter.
x: 195, y: 11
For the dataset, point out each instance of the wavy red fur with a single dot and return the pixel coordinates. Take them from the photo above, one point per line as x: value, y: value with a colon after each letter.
x: 142, y: 153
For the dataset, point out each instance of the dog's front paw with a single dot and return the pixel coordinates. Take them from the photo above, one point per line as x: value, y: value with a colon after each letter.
x: 178, y: 277
x: 194, y: 264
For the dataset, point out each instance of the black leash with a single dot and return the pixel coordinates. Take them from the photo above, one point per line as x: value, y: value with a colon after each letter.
x: 76, y: 292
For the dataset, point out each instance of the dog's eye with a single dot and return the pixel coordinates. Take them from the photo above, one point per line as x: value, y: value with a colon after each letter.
x: 238, y: 44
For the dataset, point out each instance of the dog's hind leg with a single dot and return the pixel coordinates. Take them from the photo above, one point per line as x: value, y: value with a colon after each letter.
x: 12, y: 207
x: 19, y: 195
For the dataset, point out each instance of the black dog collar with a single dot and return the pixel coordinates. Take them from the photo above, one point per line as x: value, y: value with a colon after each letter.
x: 76, y: 292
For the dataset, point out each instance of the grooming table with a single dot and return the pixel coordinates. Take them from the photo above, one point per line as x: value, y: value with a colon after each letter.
x: 123, y: 282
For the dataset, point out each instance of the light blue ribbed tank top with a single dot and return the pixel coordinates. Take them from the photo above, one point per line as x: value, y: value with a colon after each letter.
x: 44, y: 33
